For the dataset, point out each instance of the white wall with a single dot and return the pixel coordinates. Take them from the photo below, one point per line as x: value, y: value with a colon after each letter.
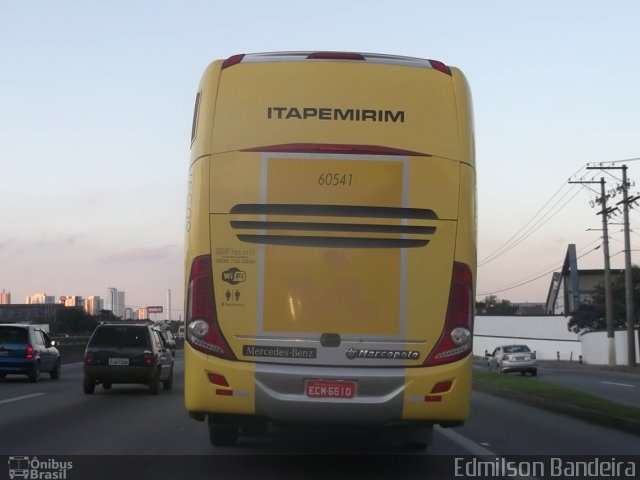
x: 595, y: 347
x: 548, y: 336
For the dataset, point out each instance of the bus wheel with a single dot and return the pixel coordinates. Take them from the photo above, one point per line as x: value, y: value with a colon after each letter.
x: 416, y: 439
x: 222, y: 434
x: 415, y: 446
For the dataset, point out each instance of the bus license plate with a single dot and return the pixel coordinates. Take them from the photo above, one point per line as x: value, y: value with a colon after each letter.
x: 330, y: 389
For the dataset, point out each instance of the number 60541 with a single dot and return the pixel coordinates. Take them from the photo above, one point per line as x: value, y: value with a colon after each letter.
x: 335, y: 179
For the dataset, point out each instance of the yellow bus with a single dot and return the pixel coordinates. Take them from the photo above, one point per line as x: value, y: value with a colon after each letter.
x: 330, y: 244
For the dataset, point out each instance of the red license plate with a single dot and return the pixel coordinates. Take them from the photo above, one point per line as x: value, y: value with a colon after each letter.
x: 330, y: 389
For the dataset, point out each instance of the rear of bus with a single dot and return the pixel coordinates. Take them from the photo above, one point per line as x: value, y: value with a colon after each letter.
x: 331, y: 244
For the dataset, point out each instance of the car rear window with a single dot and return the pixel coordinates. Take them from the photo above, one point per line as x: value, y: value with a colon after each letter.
x: 14, y: 335
x: 121, y: 336
x: 517, y: 349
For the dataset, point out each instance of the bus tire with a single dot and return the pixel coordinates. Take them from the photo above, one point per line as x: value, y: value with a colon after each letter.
x: 415, y: 446
x: 416, y: 439
x: 222, y: 434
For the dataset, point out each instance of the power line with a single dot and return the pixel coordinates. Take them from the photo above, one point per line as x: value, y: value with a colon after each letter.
x: 514, y: 240
x: 534, y: 279
x: 495, y: 252
x: 518, y: 238
x: 635, y: 159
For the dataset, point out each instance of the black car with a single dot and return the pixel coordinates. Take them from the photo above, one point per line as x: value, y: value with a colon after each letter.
x: 28, y: 350
x: 127, y: 353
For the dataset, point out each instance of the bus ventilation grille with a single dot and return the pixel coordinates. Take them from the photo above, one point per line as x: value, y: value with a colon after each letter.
x: 340, y: 230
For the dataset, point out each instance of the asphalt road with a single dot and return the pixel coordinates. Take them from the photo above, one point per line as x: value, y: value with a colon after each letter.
x: 152, y: 437
x: 616, y: 386
x: 619, y: 387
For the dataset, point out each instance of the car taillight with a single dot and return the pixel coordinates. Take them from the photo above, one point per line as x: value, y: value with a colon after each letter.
x: 203, y: 331
x: 148, y: 361
x: 29, y: 352
x: 88, y: 360
x: 455, y: 341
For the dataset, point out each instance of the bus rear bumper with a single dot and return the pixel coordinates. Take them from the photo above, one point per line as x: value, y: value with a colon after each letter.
x: 280, y: 393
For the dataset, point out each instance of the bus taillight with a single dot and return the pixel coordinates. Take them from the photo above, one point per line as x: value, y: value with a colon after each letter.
x: 233, y: 60
x: 441, y: 67
x: 335, y: 56
x: 329, y: 148
x: 455, y: 341
x: 203, y: 331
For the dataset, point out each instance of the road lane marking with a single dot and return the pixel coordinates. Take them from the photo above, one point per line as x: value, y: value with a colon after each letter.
x: 23, y: 397
x: 469, y: 445
x: 618, y: 384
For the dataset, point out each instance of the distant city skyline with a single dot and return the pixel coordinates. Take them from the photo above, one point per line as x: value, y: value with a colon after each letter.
x: 93, y: 304
x: 97, y: 107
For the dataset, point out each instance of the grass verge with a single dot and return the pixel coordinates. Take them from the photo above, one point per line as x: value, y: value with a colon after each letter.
x: 535, y: 391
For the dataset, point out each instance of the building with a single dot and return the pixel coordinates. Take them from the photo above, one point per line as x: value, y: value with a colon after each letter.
x: 115, y: 302
x: 72, y: 301
x: 93, y: 305
x: 40, y: 298
x: 570, y: 287
x: 5, y: 298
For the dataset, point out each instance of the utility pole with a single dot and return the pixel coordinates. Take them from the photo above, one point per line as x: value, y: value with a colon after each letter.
x: 608, y: 302
x: 628, y: 272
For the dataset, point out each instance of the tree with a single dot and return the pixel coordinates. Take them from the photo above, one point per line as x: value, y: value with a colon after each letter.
x: 492, y: 305
x: 591, y: 315
x: 587, y: 316
x: 106, y: 316
x: 73, y: 320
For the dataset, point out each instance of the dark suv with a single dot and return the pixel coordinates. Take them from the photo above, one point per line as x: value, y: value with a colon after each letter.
x: 127, y: 353
x: 27, y: 350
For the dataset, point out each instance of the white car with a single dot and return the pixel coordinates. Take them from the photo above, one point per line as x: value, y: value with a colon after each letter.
x: 513, y: 358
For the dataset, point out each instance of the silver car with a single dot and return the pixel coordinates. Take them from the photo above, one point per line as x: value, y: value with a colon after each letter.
x: 513, y: 358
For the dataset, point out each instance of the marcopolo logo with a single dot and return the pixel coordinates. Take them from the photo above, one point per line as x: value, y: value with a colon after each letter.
x: 234, y: 276
x: 355, y: 353
x: 38, y: 469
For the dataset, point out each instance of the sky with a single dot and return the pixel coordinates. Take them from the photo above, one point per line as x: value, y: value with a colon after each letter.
x: 96, y: 103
